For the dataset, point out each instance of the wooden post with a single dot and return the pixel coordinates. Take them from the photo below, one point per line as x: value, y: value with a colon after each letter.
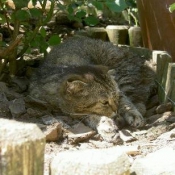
x: 21, y: 148
x: 170, y: 92
x: 162, y: 59
x: 117, y: 34
x: 140, y: 51
x: 172, y: 96
x: 97, y: 33
x: 135, y: 36
x: 94, y: 32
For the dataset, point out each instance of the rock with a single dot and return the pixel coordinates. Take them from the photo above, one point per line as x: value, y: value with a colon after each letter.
x: 3, y: 98
x: 17, y: 107
x: 3, y: 87
x: 35, y: 103
x: 157, y: 163
x: 53, y: 132
x: 4, y: 109
x: 66, y: 121
x: 126, y: 136
x: 164, y: 108
x: 159, y: 118
x: 19, y: 84
x: 35, y: 112
x: 156, y: 131
x: 80, y: 128
x: 95, y: 144
x: 10, y: 94
x: 171, y: 119
x: 49, y: 120
x: 76, y: 138
x: 108, y: 130
x: 78, y: 133
x: 167, y: 135
x: 90, y: 162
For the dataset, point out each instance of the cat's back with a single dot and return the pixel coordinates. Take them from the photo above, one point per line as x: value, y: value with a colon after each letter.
x: 81, y: 50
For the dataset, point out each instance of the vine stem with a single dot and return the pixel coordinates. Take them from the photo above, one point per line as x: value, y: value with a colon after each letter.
x: 6, y: 17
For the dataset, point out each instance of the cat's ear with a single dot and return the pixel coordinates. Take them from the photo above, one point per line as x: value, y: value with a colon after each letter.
x: 89, y: 76
x: 111, y: 72
x: 75, y: 86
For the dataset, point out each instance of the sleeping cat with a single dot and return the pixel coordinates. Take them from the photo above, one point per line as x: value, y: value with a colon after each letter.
x: 95, y: 80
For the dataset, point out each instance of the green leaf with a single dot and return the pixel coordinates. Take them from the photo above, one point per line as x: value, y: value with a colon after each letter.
x: 71, y: 17
x: 80, y: 14
x: 3, y: 44
x: 54, y: 40
x: 98, y: 5
x: 34, y: 2
x: 131, y: 3
x: 91, y: 21
x: 20, y: 3
x: 43, y: 32
x: 35, y: 13
x: 3, y: 1
x: 172, y: 7
x: 2, y: 19
x: 43, y: 46
x: 22, y: 15
x: 70, y: 9
x: 37, y: 41
x: 116, y: 6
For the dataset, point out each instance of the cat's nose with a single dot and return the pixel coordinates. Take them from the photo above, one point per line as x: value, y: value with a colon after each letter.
x: 113, y: 105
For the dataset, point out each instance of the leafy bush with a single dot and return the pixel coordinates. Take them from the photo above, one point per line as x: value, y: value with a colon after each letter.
x: 24, y: 22
x: 86, y: 11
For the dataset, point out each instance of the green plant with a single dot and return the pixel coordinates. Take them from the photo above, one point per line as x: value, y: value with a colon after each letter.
x: 24, y: 22
x: 172, y: 7
x: 132, y: 11
x: 85, y: 11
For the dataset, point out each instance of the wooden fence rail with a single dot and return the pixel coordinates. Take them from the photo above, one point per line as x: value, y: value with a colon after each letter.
x: 165, y: 76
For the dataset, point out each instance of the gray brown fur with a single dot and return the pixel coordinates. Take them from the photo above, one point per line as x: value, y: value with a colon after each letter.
x: 86, y: 77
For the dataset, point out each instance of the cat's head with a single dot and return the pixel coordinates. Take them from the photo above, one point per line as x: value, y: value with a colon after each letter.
x: 89, y: 90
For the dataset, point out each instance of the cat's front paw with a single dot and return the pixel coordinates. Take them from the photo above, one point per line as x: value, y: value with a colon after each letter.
x: 108, y: 130
x: 134, y: 118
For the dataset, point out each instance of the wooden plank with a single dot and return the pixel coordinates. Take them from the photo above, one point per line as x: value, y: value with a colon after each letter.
x: 169, y: 91
x: 140, y: 51
x: 21, y: 148
x: 162, y: 59
x: 172, y: 96
x: 135, y: 36
x: 118, y: 34
x: 94, y: 32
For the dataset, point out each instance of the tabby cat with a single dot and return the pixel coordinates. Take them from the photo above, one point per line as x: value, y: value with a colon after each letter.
x: 95, y: 80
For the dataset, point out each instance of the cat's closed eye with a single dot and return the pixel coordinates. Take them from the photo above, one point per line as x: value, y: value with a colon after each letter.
x: 105, y: 102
